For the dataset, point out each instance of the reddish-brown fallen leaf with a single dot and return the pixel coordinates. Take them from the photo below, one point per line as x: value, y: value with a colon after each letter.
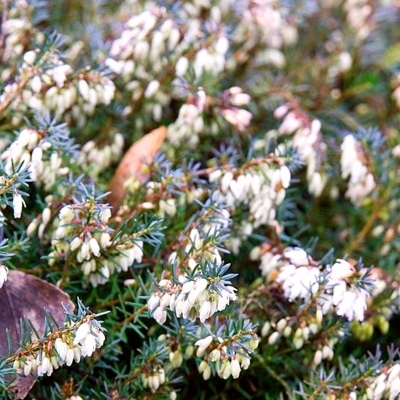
x: 24, y: 295
x: 133, y: 164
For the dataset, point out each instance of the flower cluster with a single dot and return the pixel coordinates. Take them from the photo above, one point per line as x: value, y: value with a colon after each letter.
x: 95, y: 157
x: 233, y: 98
x: 359, y: 15
x: 202, y: 286
x: 298, y: 276
x: 191, y: 298
x: 385, y: 385
x: 226, y: 356
x: 339, y: 286
x: 137, y: 56
x: 60, y: 348
x: 258, y: 187
x: 307, y: 140
x: 83, y: 234
x: 355, y: 168
x: 81, y: 96
x: 34, y: 151
x: 50, y: 85
x: 154, y: 379
x: 187, y: 127
x: 142, y: 56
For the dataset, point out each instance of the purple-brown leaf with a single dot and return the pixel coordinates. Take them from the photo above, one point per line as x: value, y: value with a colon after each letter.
x: 24, y: 295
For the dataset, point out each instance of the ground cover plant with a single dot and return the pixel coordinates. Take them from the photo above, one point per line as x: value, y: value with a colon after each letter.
x: 199, y: 199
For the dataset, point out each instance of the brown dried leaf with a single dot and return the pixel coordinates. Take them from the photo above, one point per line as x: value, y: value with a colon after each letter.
x: 134, y: 163
x: 24, y: 295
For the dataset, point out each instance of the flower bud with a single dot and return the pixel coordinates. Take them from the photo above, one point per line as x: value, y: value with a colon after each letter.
x: 67, y: 214
x: 281, y: 325
x: 287, y: 331
x: 298, y: 342
x: 83, y: 88
x: 317, y: 357
x: 152, y: 89
x: 273, y: 338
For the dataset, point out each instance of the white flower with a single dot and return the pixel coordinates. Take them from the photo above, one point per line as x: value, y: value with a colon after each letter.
x: 75, y: 243
x: 18, y: 202
x: 152, y: 89
x: 82, y: 331
x: 235, y: 368
x: 353, y: 304
x: 203, y: 344
x: 94, y: 247
x: 205, y: 311
x: 3, y: 274
x: 153, y: 302
x: 83, y: 88
x: 67, y: 214
x: 341, y: 270
x: 29, y: 57
x: 88, y: 345
x: 297, y: 256
x: 61, y: 348
x: 361, y: 181
x: 44, y: 365
x: 84, y: 252
x: 30, y: 366
x: 181, y: 66
x: 105, y: 215
x: 105, y: 239
x: 238, y: 117
x: 160, y: 315
x: 269, y: 263
x: 299, y: 282
x: 339, y: 290
x: 69, y: 358
x: 60, y: 73
x: 199, y: 287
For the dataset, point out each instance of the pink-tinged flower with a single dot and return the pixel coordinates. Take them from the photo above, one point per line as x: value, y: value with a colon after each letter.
x: 353, y: 305
x: 238, y: 117
x: 361, y: 181
x: 237, y: 97
x: 297, y: 256
x: 60, y: 73
x: 160, y: 315
x: 300, y: 282
x: 342, y: 269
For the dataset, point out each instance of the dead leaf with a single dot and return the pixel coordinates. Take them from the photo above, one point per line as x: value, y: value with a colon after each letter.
x: 24, y: 295
x: 133, y: 164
